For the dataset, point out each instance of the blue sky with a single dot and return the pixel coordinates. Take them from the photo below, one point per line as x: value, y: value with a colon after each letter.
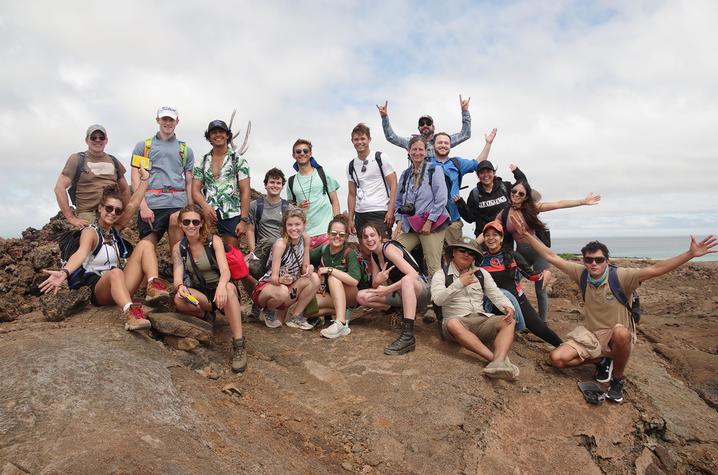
x: 616, y: 98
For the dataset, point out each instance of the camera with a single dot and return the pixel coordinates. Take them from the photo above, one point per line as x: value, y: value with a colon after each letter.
x: 408, y: 209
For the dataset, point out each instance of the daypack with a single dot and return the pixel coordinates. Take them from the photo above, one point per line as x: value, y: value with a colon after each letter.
x: 448, y: 280
x: 322, y: 176
x: 182, y: 151
x: 237, y: 266
x: 634, y: 307
x: 69, y: 243
x: 543, y: 235
x: 260, y: 210
x: 377, y: 157
x: 72, y: 191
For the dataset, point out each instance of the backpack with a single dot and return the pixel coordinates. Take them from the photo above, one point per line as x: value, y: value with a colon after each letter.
x: 543, y: 235
x: 185, y: 252
x: 260, y: 210
x: 69, y: 243
x: 322, y: 176
x: 448, y: 280
x: 634, y: 307
x: 377, y: 157
x: 405, y: 177
x: 72, y: 191
x: 182, y: 151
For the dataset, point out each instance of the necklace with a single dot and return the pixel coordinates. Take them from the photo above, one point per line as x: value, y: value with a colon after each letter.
x: 306, y: 196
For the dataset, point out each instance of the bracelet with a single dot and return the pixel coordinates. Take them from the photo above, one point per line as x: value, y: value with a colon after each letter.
x: 177, y: 287
x: 67, y: 273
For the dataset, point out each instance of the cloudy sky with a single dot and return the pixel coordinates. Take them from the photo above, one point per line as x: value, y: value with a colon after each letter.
x: 617, y: 98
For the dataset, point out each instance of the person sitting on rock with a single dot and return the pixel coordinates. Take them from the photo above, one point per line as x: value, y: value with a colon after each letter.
x: 459, y: 290
x: 103, y: 264
x: 609, y: 332
x: 200, y: 257
x: 290, y: 280
x: 396, y: 282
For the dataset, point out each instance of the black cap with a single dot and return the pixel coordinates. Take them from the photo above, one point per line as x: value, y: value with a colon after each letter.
x: 217, y: 124
x: 426, y: 117
x: 485, y: 164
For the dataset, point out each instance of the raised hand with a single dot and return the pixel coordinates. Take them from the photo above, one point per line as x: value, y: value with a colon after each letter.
x: 489, y: 137
x: 698, y: 249
x: 464, y: 103
x: 383, y: 109
x: 383, y: 274
x: 591, y: 199
x: 512, y: 167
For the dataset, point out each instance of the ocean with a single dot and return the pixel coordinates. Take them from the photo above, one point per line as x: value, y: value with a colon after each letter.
x: 650, y: 247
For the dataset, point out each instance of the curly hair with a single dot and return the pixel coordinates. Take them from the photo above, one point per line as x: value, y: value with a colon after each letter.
x: 111, y: 192
x: 204, y: 231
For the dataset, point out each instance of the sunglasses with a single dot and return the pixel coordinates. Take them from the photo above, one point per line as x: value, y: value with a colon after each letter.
x: 424, y: 122
x: 116, y: 209
x: 337, y: 233
x: 518, y: 193
x: 465, y: 251
x: 300, y: 151
x: 591, y: 260
x: 363, y: 166
x: 193, y: 222
x: 97, y: 138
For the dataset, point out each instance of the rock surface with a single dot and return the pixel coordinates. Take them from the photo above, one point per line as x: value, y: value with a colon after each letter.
x: 183, y: 326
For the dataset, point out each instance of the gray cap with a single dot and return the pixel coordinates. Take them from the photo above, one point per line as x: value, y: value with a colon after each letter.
x: 95, y: 128
x: 466, y: 243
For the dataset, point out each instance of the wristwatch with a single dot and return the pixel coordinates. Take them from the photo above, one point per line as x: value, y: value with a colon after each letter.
x: 244, y: 218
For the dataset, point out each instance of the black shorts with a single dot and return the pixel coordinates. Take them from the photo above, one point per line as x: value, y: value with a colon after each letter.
x: 90, y: 279
x: 226, y: 227
x: 375, y: 217
x: 160, y: 225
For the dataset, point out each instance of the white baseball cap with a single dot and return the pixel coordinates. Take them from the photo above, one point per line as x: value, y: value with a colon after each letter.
x: 167, y: 111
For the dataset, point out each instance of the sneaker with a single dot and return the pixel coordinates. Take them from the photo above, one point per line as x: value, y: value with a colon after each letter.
x: 136, y: 319
x: 158, y: 292
x: 335, y: 330
x: 604, y: 370
x: 515, y: 369
x: 298, y: 321
x: 316, y: 321
x: 271, y: 320
x: 615, y: 390
x: 239, y: 356
x: 499, y: 369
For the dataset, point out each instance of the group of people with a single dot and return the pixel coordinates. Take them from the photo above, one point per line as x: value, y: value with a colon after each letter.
x: 302, y: 264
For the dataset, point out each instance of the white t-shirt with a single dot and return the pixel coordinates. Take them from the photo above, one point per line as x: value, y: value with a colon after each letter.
x: 371, y: 193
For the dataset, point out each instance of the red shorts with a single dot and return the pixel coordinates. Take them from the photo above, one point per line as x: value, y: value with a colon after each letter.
x: 258, y: 290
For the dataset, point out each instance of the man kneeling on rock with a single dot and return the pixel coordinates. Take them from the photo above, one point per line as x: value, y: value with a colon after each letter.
x: 609, y: 332
x: 459, y: 290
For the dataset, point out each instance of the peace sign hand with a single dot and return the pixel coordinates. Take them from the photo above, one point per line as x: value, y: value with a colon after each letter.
x: 383, y: 275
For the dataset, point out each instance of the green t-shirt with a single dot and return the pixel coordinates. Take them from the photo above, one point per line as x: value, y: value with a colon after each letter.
x: 320, y: 210
x: 345, y: 260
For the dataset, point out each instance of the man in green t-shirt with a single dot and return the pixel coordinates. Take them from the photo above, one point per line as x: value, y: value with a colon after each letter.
x: 609, y: 331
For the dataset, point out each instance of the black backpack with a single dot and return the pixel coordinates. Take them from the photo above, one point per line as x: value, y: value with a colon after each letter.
x: 377, y: 157
x: 69, y: 243
x: 448, y: 280
x: 260, y: 210
x: 72, y: 191
x: 186, y: 252
x: 325, y: 188
x: 634, y: 306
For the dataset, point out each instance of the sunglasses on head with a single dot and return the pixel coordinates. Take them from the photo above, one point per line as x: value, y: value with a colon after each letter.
x: 518, y: 193
x: 97, y: 138
x: 193, y: 222
x: 300, y: 151
x: 424, y: 122
x: 116, y: 209
x: 337, y: 233
x: 591, y: 260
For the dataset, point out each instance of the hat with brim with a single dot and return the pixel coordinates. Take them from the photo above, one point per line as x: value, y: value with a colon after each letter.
x: 167, y: 111
x: 217, y: 124
x: 485, y: 165
x: 465, y: 243
x: 426, y: 117
x: 495, y: 225
x: 95, y: 128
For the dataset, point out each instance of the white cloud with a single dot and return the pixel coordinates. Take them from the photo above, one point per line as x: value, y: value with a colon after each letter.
x: 615, y: 97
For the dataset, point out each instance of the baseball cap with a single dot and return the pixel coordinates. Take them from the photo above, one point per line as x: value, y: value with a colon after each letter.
x: 426, y: 117
x: 217, y: 124
x: 167, y: 111
x: 494, y: 225
x: 95, y: 128
x: 485, y: 164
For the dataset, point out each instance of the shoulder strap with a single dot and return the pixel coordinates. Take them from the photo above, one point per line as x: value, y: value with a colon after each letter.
x: 432, y: 169
x: 290, y: 189
x: 323, y: 177
x: 100, y: 241
x: 377, y: 157
x: 480, y: 276
x: 448, y: 278
x: 615, y: 285
x: 404, y: 179
x: 352, y: 172
x: 117, y: 166
x: 209, y: 249
x: 72, y: 191
x: 505, y: 218
x: 259, y: 211
x: 456, y: 163
x: 148, y: 146
x: 583, y: 283
x: 183, y: 153
x: 285, y: 206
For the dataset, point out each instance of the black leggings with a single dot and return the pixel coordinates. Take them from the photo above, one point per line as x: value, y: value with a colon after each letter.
x: 534, y: 323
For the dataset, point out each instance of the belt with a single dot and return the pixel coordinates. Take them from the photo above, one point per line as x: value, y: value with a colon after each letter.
x: 166, y: 190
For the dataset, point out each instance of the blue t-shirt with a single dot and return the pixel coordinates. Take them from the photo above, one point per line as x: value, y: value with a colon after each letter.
x: 452, y: 175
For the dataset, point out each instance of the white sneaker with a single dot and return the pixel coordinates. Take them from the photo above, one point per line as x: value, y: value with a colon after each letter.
x: 271, y: 320
x: 335, y: 330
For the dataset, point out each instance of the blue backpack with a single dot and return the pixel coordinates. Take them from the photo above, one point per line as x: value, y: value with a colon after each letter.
x: 634, y: 306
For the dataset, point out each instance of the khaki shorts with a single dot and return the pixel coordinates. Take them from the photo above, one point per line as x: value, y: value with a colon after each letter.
x: 590, y: 345
x: 486, y: 328
x: 89, y: 216
x: 454, y: 233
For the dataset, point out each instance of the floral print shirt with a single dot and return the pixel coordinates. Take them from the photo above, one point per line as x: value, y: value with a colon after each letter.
x: 222, y: 193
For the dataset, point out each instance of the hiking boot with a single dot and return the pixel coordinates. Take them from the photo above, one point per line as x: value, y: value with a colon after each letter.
x: 604, y: 370
x: 615, y: 390
x: 239, y: 356
x: 429, y: 316
x: 158, y: 293
x: 406, y: 341
x: 335, y: 330
x: 271, y: 320
x: 515, y: 369
x: 500, y: 370
x: 136, y: 319
x: 298, y: 321
x: 256, y: 313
